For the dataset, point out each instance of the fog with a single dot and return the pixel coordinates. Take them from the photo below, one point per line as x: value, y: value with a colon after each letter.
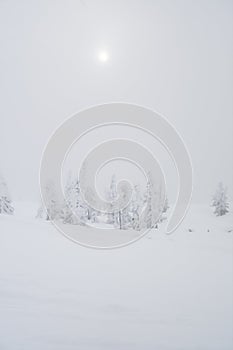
x: 174, y: 57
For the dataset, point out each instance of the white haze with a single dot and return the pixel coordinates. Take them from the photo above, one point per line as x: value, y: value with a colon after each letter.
x: 171, y: 56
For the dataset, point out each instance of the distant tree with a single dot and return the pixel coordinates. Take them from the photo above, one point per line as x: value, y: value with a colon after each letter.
x: 5, y: 200
x: 152, y: 200
x: 163, y: 216
x: 51, y: 209
x: 68, y: 205
x: 123, y: 213
x: 148, y: 200
x: 119, y: 216
x: 134, y: 209
x: 220, y: 202
x: 112, y: 196
x: 92, y: 213
x: 166, y: 205
x: 41, y: 212
x: 153, y: 203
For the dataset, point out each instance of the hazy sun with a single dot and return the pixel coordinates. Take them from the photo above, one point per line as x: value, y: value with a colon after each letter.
x: 103, y: 56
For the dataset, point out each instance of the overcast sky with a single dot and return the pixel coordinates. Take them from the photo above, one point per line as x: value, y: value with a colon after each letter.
x: 172, y: 56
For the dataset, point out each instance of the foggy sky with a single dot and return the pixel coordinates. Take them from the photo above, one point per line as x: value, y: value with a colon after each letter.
x: 171, y: 56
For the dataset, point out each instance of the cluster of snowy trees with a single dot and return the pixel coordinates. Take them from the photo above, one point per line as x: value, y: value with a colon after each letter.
x: 74, y: 209
x: 141, y: 212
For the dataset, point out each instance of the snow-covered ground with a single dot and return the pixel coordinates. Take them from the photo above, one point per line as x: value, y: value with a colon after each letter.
x: 161, y: 293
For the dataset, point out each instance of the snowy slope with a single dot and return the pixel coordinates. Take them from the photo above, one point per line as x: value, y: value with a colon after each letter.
x: 162, y: 292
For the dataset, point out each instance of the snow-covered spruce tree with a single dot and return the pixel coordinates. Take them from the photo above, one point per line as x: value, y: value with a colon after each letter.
x: 66, y: 213
x: 88, y: 197
x: 52, y: 207
x: 134, y: 209
x: 136, y: 206
x: 92, y: 213
x: 166, y: 205
x: 74, y: 210
x: 41, y: 212
x: 119, y: 216
x: 124, y: 215
x: 5, y: 199
x: 220, y: 202
x: 111, y: 196
x: 80, y: 206
x: 165, y: 209
x: 147, y: 220
x: 153, y: 202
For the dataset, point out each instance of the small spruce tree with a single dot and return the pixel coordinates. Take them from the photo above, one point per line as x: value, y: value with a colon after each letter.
x: 74, y: 210
x: 5, y: 200
x: 220, y: 202
x: 163, y: 216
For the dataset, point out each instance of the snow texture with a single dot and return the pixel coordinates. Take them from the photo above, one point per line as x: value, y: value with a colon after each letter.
x: 165, y: 292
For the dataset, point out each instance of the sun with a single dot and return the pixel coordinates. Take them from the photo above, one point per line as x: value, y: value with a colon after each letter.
x: 103, y: 56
